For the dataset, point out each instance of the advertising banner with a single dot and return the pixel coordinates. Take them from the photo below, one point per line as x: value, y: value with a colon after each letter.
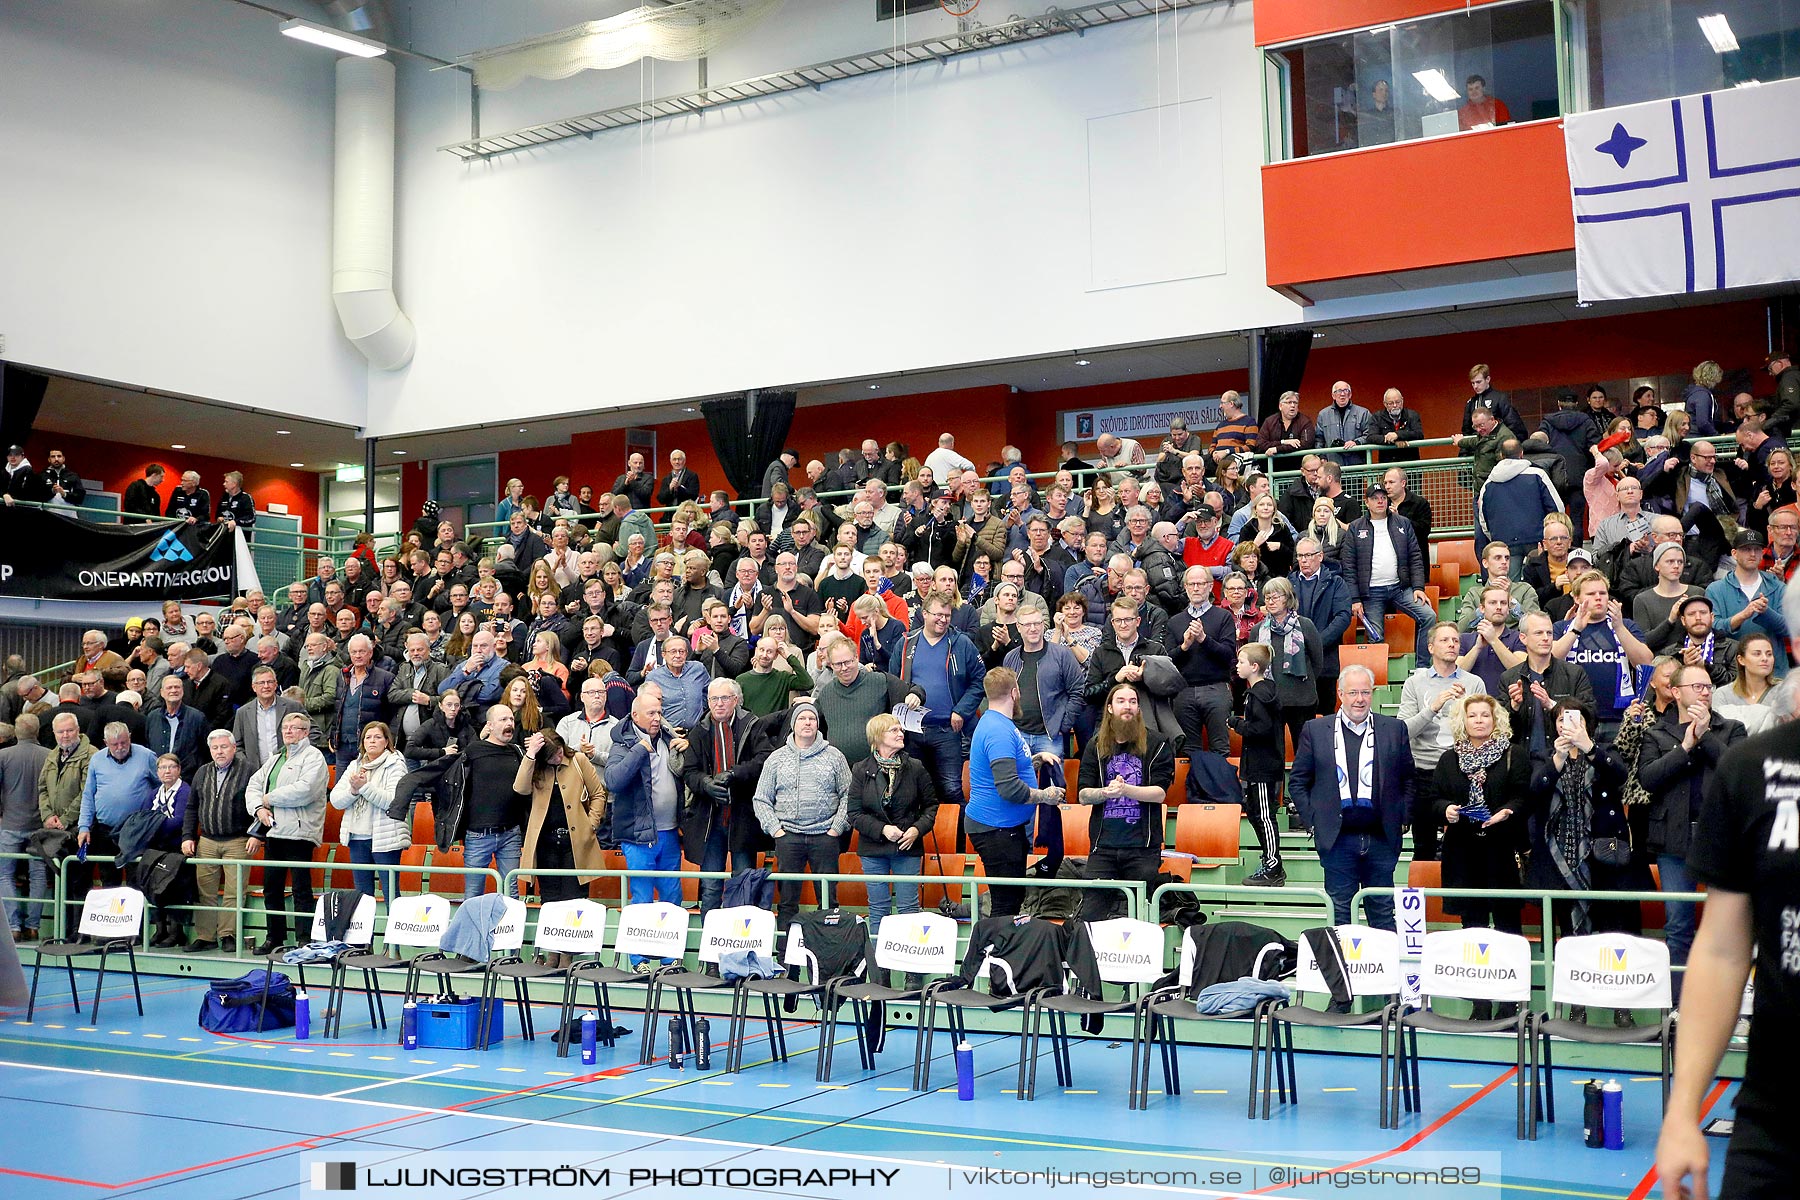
x: 46, y: 555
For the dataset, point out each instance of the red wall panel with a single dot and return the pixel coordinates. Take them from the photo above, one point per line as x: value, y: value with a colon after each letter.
x: 119, y: 464
x: 1290, y: 20
x: 1485, y: 194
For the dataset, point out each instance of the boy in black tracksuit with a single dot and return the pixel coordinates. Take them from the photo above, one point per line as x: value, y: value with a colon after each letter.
x: 1260, y: 766
x: 1126, y: 773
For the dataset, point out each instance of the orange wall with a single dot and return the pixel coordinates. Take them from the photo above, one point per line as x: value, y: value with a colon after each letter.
x: 1485, y: 194
x: 1289, y: 20
x: 119, y: 464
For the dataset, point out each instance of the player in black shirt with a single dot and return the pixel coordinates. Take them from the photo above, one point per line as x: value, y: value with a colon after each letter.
x: 1746, y: 849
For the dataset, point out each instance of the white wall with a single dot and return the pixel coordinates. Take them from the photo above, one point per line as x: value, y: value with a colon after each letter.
x: 166, y: 203
x: 889, y: 223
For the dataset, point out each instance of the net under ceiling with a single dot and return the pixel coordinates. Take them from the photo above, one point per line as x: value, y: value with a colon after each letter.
x: 690, y: 30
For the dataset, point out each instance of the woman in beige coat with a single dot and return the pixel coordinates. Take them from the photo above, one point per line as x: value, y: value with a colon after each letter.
x: 568, y: 802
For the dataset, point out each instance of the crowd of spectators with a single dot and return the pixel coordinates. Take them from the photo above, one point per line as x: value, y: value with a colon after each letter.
x: 711, y: 685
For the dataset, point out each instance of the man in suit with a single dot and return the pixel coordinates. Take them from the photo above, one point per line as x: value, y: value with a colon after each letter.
x: 1323, y: 598
x: 680, y: 484
x: 413, y: 697
x: 208, y: 691
x: 1352, y: 782
x: 178, y: 728
x: 257, y: 727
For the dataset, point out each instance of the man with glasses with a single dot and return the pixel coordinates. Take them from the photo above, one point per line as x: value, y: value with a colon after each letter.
x: 1343, y: 425
x: 1675, y: 764
x: 945, y: 665
x: 1323, y: 598
x: 1548, y: 569
x: 852, y: 694
x: 1783, y: 551
x: 1497, y: 558
x: 724, y: 759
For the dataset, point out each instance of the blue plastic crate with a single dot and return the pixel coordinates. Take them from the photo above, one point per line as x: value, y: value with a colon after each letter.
x: 453, y: 1026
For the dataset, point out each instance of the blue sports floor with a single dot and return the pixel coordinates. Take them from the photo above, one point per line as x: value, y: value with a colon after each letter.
x: 155, y: 1106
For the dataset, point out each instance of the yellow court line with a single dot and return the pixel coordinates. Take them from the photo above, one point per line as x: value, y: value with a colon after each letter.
x: 1337, y: 1089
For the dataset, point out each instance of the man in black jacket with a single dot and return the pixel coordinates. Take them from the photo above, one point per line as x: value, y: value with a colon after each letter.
x: 1539, y: 689
x: 726, y: 752
x: 215, y: 826
x: 679, y: 485
x: 1122, y: 765
x: 1675, y: 764
x: 1482, y: 384
x: 1121, y: 655
x: 190, y: 502
x: 1202, y: 641
x: 1410, y: 505
x: 59, y: 482
x: 141, y: 497
x: 1385, y: 566
x: 635, y: 482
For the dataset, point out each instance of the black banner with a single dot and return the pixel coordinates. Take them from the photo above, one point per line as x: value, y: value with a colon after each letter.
x: 46, y: 555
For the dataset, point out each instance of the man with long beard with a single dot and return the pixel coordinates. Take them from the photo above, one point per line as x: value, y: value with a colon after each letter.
x: 1126, y: 773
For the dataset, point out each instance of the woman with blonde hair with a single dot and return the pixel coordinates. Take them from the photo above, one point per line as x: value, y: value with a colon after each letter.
x: 1699, y: 400
x: 363, y: 792
x: 1777, y: 494
x: 1328, y: 531
x: 1480, y: 781
x: 542, y: 582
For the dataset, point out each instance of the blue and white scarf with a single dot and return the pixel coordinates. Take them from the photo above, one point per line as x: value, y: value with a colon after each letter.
x: 1365, y: 764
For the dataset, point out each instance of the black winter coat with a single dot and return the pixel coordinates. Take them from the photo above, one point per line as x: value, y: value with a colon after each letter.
x: 913, y: 805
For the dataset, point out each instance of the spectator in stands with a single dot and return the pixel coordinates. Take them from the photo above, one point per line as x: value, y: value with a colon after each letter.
x: 1608, y: 647
x: 1483, y: 445
x: 1270, y: 535
x: 1287, y: 430
x: 21, y: 482
x: 848, y: 696
x: 174, y: 727
x: 493, y: 815
x: 287, y: 797
x: 1325, y: 529
x: 21, y: 769
x: 720, y: 770
x: 414, y: 693
x: 1629, y: 526
x: 1105, y: 515
x: 1114, y: 453
x: 1296, y: 504
x: 776, y: 669
x: 1480, y: 781
x: 1325, y: 599
x: 1552, y: 567
x: 1784, y: 409
x: 213, y: 827
x: 1261, y: 766
x: 1599, y: 406
x: 942, y: 461
x: 526, y: 543
x: 777, y: 472
x: 1430, y: 700
x: 233, y: 665
x: 1174, y: 449
x: 893, y: 806
x: 1749, y: 467
x: 1782, y: 555
x: 1489, y: 648
x: 1749, y: 598
x: 256, y: 728
x: 142, y: 496
x: 1699, y: 402
x: 1125, y: 777
x: 1497, y: 403
x: 723, y: 653
x: 1481, y: 110
x: 478, y: 677
x: 1776, y: 493
x: 1571, y: 432
x: 1002, y: 798
x: 1749, y: 698
x: 362, y: 794
x: 189, y: 502
x: 1236, y: 432
x: 1342, y: 425
x: 560, y: 504
x: 946, y: 664
x: 1352, y: 783
x: 1655, y: 605
x: 801, y: 801
x: 683, y: 682
x: 636, y: 483
x: 1512, y: 504
x: 1396, y: 427
x: 235, y: 505
x: 96, y: 657
x: 1496, y: 559
x: 1680, y: 753
x: 1688, y: 634
x: 1201, y: 638
x: 362, y: 697
x: 1384, y: 563
x: 1544, y: 684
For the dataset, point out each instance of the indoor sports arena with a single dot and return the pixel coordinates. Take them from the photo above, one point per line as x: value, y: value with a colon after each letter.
x: 841, y: 598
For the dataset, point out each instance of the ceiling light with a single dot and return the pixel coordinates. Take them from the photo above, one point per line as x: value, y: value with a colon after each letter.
x: 687, y: 410
x: 874, y: 387
x: 281, y: 433
x: 521, y: 429
x: 332, y: 39
x: 399, y: 452
x: 1435, y: 85
x: 1084, y: 362
x: 296, y: 464
x: 178, y: 446
x: 1718, y: 33
x: 1748, y: 83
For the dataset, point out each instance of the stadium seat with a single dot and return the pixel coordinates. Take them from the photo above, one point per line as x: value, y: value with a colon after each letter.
x: 444, y: 884
x: 1209, y: 831
x: 1448, y: 577
x: 851, y: 895
x: 942, y: 838
x: 948, y: 865
x: 1373, y: 657
x: 1461, y: 552
x: 1075, y: 824
x: 1429, y: 875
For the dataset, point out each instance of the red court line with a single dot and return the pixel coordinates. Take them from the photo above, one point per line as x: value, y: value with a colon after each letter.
x: 55, y: 1178
x: 1409, y: 1143
x: 1649, y: 1180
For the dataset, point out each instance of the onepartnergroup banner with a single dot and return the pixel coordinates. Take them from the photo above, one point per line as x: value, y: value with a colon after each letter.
x: 720, y: 1171
x: 45, y: 555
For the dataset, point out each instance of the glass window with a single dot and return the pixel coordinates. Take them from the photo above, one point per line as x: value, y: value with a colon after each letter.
x: 1444, y: 74
x: 1629, y: 51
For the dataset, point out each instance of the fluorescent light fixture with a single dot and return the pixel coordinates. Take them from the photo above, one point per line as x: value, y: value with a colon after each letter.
x: 874, y: 387
x: 1084, y: 362
x: 399, y: 452
x: 296, y: 464
x: 282, y: 432
x: 332, y: 39
x: 1436, y: 86
x: 1718, y: 33
x: 178, y: 446
x: 1748, y: 83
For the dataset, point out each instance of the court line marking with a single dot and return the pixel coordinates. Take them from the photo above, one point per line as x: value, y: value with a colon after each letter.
x: 1650, y: 1177
x: 390, y: 1082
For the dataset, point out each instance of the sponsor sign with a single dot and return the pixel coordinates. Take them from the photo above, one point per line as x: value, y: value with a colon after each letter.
x: 1409, y: 917
x: 921, y: 942
x: 361, y: 930
x: 1476, y: 964
x: 1127, y: 951
x: 1371, y: 960
x: 417, y: 920
x: 47, y: 555
x: 114, y: 912
x: 571, y: 926
x: 655, y: 930
x: 1149, y: 423
x: 1612, y: 970
x: 735, y: 930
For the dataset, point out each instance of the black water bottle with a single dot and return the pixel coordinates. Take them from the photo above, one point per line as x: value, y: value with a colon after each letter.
x: 675, y: 1043
x: 1593, y: 1122
x: 702, y: 1045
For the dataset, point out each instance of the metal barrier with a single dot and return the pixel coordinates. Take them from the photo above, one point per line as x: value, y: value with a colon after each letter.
x: 53, y: 901
x: 242, y: 867
x: 1296, y: 891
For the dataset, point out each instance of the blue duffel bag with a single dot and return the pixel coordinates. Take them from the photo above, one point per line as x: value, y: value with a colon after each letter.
x: 252, y: 1003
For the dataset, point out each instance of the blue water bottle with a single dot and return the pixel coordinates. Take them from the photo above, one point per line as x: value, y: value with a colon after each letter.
x: 302, y: 1017
x: 1612, y: 1107
x: 590, y: 1037
x: 409, y: 1026
x: 965, y: 1071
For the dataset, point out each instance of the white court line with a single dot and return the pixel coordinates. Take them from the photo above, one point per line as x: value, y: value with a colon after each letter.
x: 390, y: 1082
x: 650, y: 1138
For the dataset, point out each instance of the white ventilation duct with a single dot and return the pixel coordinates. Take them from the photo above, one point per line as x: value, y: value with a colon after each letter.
x: 362, y: 248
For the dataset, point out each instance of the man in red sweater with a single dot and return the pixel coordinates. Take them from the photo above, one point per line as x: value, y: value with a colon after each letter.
x: 1206, y: 548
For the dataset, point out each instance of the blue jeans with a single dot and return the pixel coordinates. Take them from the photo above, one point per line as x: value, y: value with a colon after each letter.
x: 664, y: 854
x: 361, y: 853
x: 1391, y: 597
x: 1360, y: 860
x: 940, y: 749
x: 22, y: 916
x: 501, y: 849
x: 906, y: 894
x: 713, y: 857
x: 1678, y: 916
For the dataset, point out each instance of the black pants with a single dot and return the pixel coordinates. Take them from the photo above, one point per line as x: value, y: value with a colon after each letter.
x: 1294, y: 718
x: 1121, y: 863
x: 796, y: 853
x: 1328, y: 700
x: 1003, y: 853
x: 275, y: 884
x: 1425, y: 828
x: 1261, y: 802
x: 1205, y: 710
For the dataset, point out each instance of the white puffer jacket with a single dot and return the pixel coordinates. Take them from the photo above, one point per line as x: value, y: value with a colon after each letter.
x: 365, y: 812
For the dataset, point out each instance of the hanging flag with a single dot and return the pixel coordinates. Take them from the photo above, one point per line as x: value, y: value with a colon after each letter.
x: 1694, y: 194
x: 46, y: 555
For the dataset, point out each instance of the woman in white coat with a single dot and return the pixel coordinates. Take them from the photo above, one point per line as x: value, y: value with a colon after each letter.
x: 362, y: 794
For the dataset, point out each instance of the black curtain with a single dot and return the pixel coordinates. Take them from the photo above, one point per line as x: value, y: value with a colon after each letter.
x: 21, y: 395
x: 1283, y: 366
x: 746, y: 447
